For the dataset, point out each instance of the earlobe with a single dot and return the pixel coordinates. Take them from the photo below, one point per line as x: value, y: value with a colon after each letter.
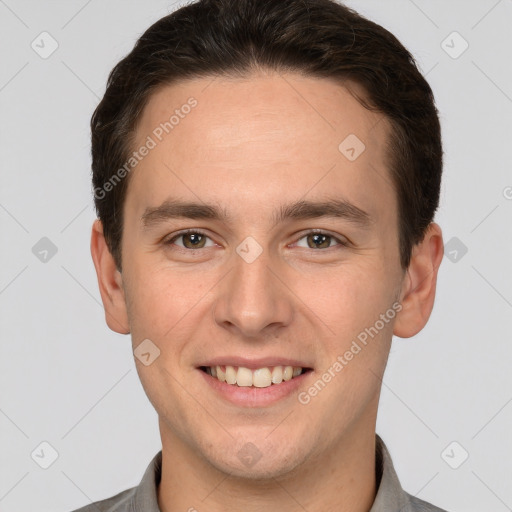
x: 419, y: 284
x: 110, y: 282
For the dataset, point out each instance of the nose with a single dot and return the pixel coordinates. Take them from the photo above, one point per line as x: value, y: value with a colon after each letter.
x: 253, y: 301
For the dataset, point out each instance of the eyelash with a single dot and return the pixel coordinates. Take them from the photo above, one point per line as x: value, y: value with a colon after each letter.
x: 175, y: 237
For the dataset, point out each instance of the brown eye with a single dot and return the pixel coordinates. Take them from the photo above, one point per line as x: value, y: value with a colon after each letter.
x: 318, y: 241
x: 191, y: 240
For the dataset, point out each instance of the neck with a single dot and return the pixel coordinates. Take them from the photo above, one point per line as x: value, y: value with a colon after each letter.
x: 342, y: 479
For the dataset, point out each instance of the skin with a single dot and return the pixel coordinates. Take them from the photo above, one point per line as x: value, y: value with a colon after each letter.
x: 250, y: 146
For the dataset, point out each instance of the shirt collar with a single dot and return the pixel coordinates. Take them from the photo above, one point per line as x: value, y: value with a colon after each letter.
x: 390, y: 495
x: 145, y: 498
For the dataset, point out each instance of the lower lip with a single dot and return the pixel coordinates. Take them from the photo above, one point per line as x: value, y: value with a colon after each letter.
x: 250, y: 396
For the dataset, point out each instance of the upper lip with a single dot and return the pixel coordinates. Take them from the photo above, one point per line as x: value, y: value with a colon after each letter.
x: 261, y: 362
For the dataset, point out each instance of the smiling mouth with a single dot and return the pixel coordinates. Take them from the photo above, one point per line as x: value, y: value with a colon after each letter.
x: 259, y: 377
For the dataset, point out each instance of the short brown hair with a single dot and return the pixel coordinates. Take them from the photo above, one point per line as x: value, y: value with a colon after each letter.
x: 317, y: 38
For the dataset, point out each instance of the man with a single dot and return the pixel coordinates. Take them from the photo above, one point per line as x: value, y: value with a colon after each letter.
x: 266, y: 175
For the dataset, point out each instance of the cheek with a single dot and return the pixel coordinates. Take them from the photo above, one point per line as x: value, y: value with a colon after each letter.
x: 157, y: 300
x: 356, y: 342
x: 347, y: 298
x: 356, y: 349
x: 166, y: 305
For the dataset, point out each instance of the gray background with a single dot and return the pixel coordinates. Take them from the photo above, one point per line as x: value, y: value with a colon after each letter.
x: 67, y: 380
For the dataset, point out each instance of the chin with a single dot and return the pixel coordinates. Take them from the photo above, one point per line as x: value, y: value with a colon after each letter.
x: 246, y: 461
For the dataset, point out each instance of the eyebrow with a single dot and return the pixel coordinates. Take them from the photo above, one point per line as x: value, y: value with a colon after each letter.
x: 299, y: 210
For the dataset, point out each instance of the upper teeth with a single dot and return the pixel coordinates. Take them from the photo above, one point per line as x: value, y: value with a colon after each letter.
x: 260, y: 378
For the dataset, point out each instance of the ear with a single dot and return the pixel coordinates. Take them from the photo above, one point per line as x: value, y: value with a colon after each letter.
x: 110, y: 282
x: 419, y: 284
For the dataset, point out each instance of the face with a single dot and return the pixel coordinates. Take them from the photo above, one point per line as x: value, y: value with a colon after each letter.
x: 260, y: 234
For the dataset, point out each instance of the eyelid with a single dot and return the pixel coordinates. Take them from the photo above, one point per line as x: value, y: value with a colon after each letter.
x: 169, y: 240
x: 343, y: 241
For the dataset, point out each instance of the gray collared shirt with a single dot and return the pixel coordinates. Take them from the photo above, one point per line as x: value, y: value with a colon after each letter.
x: 390, y: 495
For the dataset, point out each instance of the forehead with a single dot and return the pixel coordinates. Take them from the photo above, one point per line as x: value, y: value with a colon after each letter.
x: 281, y: 136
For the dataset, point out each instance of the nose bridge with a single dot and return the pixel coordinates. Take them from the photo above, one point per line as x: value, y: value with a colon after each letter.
x: 251, y: 298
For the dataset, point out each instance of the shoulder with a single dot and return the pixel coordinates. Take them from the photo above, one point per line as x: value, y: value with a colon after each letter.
x: 142, y: 497
x: 417, y: 505
x: 121, y: 502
